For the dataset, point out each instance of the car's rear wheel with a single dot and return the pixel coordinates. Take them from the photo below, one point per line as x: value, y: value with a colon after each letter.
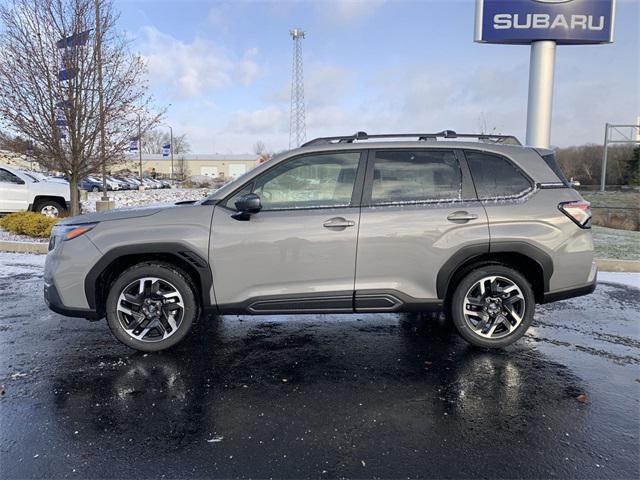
x: 95, y: 189
x: 49, y: 208
x: 151, y: 306
x: 493, y: 306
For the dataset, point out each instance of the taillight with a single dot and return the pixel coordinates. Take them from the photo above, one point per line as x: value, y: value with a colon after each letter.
x: 579, y: 212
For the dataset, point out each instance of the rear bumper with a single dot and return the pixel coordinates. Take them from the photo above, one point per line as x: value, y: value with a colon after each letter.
x: 572, y: 292
x: 52, y: 298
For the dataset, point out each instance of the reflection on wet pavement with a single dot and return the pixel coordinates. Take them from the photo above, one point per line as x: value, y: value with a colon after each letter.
x: 322, y: 396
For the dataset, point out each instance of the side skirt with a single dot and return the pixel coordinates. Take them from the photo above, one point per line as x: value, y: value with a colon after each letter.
x: 362, y: 301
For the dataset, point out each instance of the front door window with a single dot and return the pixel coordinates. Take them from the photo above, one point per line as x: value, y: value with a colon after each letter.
x: 313, y: 181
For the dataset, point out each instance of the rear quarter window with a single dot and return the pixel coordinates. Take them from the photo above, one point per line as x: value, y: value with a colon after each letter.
x: 495, y: 177
x: 551, y: 161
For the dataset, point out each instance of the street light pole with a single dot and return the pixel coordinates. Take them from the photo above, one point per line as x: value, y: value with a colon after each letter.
x: 140, y: 143
x: 105, y: 197
x: 171, y: 151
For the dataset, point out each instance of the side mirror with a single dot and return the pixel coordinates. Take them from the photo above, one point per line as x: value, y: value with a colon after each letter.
x: 247, y: 205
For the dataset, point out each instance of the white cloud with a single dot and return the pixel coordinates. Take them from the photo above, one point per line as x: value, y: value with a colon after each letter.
x: 271, y: 119
x: 432, y: 98
x: 188, y: 69
x: 349, y: 11
x: 326, y: 83
x: 247, y: 69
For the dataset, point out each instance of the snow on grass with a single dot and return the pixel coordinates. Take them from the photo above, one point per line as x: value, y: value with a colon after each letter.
x: 133, y: 198
x: 620, y: 199
x: 14, y: 237
x: 616, y: 244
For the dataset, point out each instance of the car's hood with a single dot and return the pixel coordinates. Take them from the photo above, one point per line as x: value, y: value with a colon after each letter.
x: 45, y: 187
x: 118, y: 214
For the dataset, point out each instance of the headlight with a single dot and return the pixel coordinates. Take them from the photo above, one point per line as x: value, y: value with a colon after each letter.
x: 68, y: 232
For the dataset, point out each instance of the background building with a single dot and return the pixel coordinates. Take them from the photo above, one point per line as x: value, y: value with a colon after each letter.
x: 191, y: 165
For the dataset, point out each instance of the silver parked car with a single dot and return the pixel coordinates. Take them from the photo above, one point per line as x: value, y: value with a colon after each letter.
x: 481, y: 229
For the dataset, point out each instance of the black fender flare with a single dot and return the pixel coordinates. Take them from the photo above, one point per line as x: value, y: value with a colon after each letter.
x: 175, y: 249
x: 469, y: 252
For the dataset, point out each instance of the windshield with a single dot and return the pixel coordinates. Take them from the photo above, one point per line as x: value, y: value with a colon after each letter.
x: 234, y: 184
x: 30, y: 176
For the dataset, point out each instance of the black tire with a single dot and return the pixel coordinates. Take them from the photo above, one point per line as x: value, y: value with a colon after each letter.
x: 95, y: 189
x: 168, y: 273
x: 458, y: 305
x: 42, y: 205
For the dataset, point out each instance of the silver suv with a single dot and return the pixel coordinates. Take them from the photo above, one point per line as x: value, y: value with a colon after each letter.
x: 481, y: 229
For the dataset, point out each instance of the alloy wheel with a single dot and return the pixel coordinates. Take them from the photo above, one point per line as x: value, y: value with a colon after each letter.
x: 494, y: 307
x: 50, y: 211
x: 150, y: 309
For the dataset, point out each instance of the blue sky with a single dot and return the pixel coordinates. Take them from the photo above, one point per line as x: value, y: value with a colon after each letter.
x: 378, y: 66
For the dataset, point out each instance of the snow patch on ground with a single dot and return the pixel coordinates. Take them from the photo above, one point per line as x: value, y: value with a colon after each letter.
x: 625, y: 278
x: 20, y: 263
x: 133, y: 198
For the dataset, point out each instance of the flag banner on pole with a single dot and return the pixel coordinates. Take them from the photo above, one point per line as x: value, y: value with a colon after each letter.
x: 64, y: 104
x: 166, y: 148
x: 77, y: 40
x: 133, y: 145
x: 61, y: 119
x: 66, y: 74
x: 63, y: 133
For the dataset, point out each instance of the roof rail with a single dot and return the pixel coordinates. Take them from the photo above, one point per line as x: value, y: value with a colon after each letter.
x: 423, y: 137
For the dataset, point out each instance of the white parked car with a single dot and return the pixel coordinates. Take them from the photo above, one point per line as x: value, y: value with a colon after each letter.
x: 20, y: 190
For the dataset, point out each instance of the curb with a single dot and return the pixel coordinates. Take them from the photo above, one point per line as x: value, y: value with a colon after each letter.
x: 604, y: 264
x: 612, y: 265
x: 23, y: 247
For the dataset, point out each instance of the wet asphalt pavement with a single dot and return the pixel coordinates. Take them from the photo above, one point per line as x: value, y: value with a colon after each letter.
x: 322, y: 396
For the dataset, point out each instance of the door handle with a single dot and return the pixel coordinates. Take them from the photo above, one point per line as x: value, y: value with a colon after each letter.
x: 461, y: 216
x: 338, y: 222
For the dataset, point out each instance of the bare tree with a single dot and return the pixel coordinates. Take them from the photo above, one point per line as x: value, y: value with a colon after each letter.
x: 483, y: 126
x: 584, y: 163
x: 154, y: 140
x: 260, y: 149
x: 181, y: 169
x: 49, y: 84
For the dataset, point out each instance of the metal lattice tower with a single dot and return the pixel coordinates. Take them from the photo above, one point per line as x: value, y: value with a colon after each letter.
x: 297, y: 122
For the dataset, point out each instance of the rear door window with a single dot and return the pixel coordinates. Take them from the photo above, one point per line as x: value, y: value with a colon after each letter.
x: 402, y: 176
x: 496, y: 177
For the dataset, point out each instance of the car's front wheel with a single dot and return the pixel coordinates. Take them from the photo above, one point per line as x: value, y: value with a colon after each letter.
x: 49, y: 208
x: 493, y: 306
x: 151, y: 306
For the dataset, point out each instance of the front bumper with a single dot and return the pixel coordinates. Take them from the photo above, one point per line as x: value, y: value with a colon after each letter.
x: 54, y: 302
x: 65, y: 269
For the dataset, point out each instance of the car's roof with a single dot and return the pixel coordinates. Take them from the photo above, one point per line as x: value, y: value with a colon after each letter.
x: 525, y: 157
x: 448, y: 144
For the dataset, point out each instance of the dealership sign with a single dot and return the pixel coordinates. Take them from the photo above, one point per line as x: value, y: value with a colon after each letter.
x: 567, y: 22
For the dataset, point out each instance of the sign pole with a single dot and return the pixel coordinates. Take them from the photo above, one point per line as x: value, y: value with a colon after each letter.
x: 603, y: 174
x: 540, y: 102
